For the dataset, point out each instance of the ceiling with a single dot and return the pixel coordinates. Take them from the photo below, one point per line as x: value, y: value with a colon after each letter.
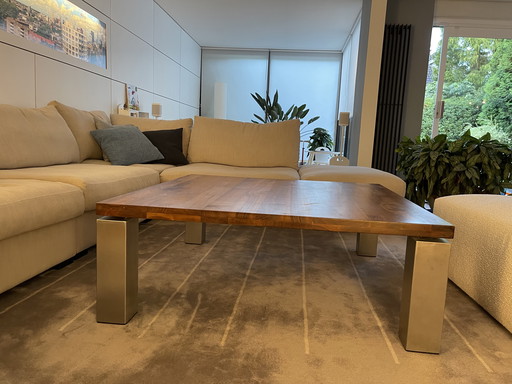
x: 266, y: 24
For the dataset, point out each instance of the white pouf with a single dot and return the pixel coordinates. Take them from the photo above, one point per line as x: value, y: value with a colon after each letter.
x: 481, y: 258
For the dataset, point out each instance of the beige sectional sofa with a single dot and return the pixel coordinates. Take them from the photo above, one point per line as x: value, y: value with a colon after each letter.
x: 52, y: 173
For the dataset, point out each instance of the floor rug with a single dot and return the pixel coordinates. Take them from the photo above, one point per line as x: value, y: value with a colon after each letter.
x: 250, y: 305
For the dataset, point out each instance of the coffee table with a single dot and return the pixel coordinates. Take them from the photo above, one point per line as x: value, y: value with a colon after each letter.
x: 366, y: 209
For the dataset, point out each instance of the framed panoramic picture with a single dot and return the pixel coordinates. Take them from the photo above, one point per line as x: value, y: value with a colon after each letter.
x: 59, y: 25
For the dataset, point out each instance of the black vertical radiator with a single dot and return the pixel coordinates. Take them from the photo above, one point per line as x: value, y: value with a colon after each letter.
x: 390, y: 104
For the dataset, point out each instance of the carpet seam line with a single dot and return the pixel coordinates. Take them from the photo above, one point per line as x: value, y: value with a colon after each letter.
x: 177, y: 290
x: 370, y: 305
x: 304, y: 297
x: 242, y: 289
x: 470, y: 347
x: 194, y: 313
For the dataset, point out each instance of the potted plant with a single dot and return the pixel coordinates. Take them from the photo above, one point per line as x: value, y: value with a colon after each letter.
x: 320, y: 139
x: 435, y: 167
x: 274, y: 112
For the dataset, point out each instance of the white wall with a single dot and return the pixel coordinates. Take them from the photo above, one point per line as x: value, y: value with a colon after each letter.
x: 146, y: 48
x: 349, y: 70
x: 362, y: 128
x: 473, y: 13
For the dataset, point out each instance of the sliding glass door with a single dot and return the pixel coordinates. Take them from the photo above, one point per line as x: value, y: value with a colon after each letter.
x: 469, y: 84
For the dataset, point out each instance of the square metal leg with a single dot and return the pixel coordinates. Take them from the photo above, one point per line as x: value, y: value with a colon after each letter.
x: 195, y: 233
x: 117, y: 269
x: 366, y: 244
x: 424, y: 294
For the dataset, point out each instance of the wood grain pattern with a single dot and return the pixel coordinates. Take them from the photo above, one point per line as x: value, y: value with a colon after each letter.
x: 322, y: 205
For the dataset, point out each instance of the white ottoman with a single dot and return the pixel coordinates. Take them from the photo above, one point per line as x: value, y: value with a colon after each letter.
x: 481, y: 258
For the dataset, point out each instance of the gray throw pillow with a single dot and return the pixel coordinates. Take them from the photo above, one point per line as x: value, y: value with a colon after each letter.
x: 125, y: 145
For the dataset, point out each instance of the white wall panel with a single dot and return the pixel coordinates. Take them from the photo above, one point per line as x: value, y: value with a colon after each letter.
x: 136, y: 16
x: 70, y: 85
x: 190, y: 54
x: 189, y: 88
x: 118, y: 95
x: 101, y: 5
x: 145, y: 100
x: 17, y: 87
x: 170, y: 108
x: 132, y: 59
x: 167, y: 35
x: 167, y: 77
x: 187, y: 111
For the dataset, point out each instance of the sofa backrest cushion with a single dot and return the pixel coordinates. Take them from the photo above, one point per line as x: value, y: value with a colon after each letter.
x: 245, y: 144
x: 35, y: 137
x: 81, y: 124
x: 156, y: 125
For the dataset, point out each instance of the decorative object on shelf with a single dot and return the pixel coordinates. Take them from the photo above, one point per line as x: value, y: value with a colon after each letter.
x: 339, y: 160
x: 435, y: 167
x: 132, y: 97
x: 156, y: 110
x: 122, y: 110
x: 322, y: 156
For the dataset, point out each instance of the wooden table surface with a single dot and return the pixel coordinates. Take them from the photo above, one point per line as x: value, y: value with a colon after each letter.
x: 322, y: 205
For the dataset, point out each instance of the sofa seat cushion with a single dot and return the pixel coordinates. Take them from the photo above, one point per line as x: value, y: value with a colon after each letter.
x: 35, y: 137
x: 481, y: 254
x: 353, y: 174
x: 97, y: 182
x: 157, y: 125
x: 282, y: 173
x: 26, y: 205
x: 154, y: 166
x: 241, y: 144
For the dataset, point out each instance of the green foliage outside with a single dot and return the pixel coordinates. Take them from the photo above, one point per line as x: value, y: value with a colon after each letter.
x: 477, y: 90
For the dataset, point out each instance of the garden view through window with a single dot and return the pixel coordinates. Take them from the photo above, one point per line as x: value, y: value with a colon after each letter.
x: 476, y: 90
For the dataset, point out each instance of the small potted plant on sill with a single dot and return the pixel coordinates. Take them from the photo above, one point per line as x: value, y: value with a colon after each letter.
x: 320, y: 141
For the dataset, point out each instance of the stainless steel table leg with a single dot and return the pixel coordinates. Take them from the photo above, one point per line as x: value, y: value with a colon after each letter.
x: 117, y: 269
x: 424, y: 294
x: 366, y: 244
x: 195, y: 233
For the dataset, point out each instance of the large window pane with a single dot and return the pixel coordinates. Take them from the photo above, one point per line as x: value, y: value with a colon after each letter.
x: 241, y: 73
x: 309, y: 78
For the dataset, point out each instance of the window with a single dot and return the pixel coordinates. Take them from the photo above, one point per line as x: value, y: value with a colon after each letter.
x: 310, y: 78
x: 468, y: 85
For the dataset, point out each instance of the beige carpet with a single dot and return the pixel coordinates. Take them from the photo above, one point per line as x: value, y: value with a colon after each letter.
x: 252, y: 305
